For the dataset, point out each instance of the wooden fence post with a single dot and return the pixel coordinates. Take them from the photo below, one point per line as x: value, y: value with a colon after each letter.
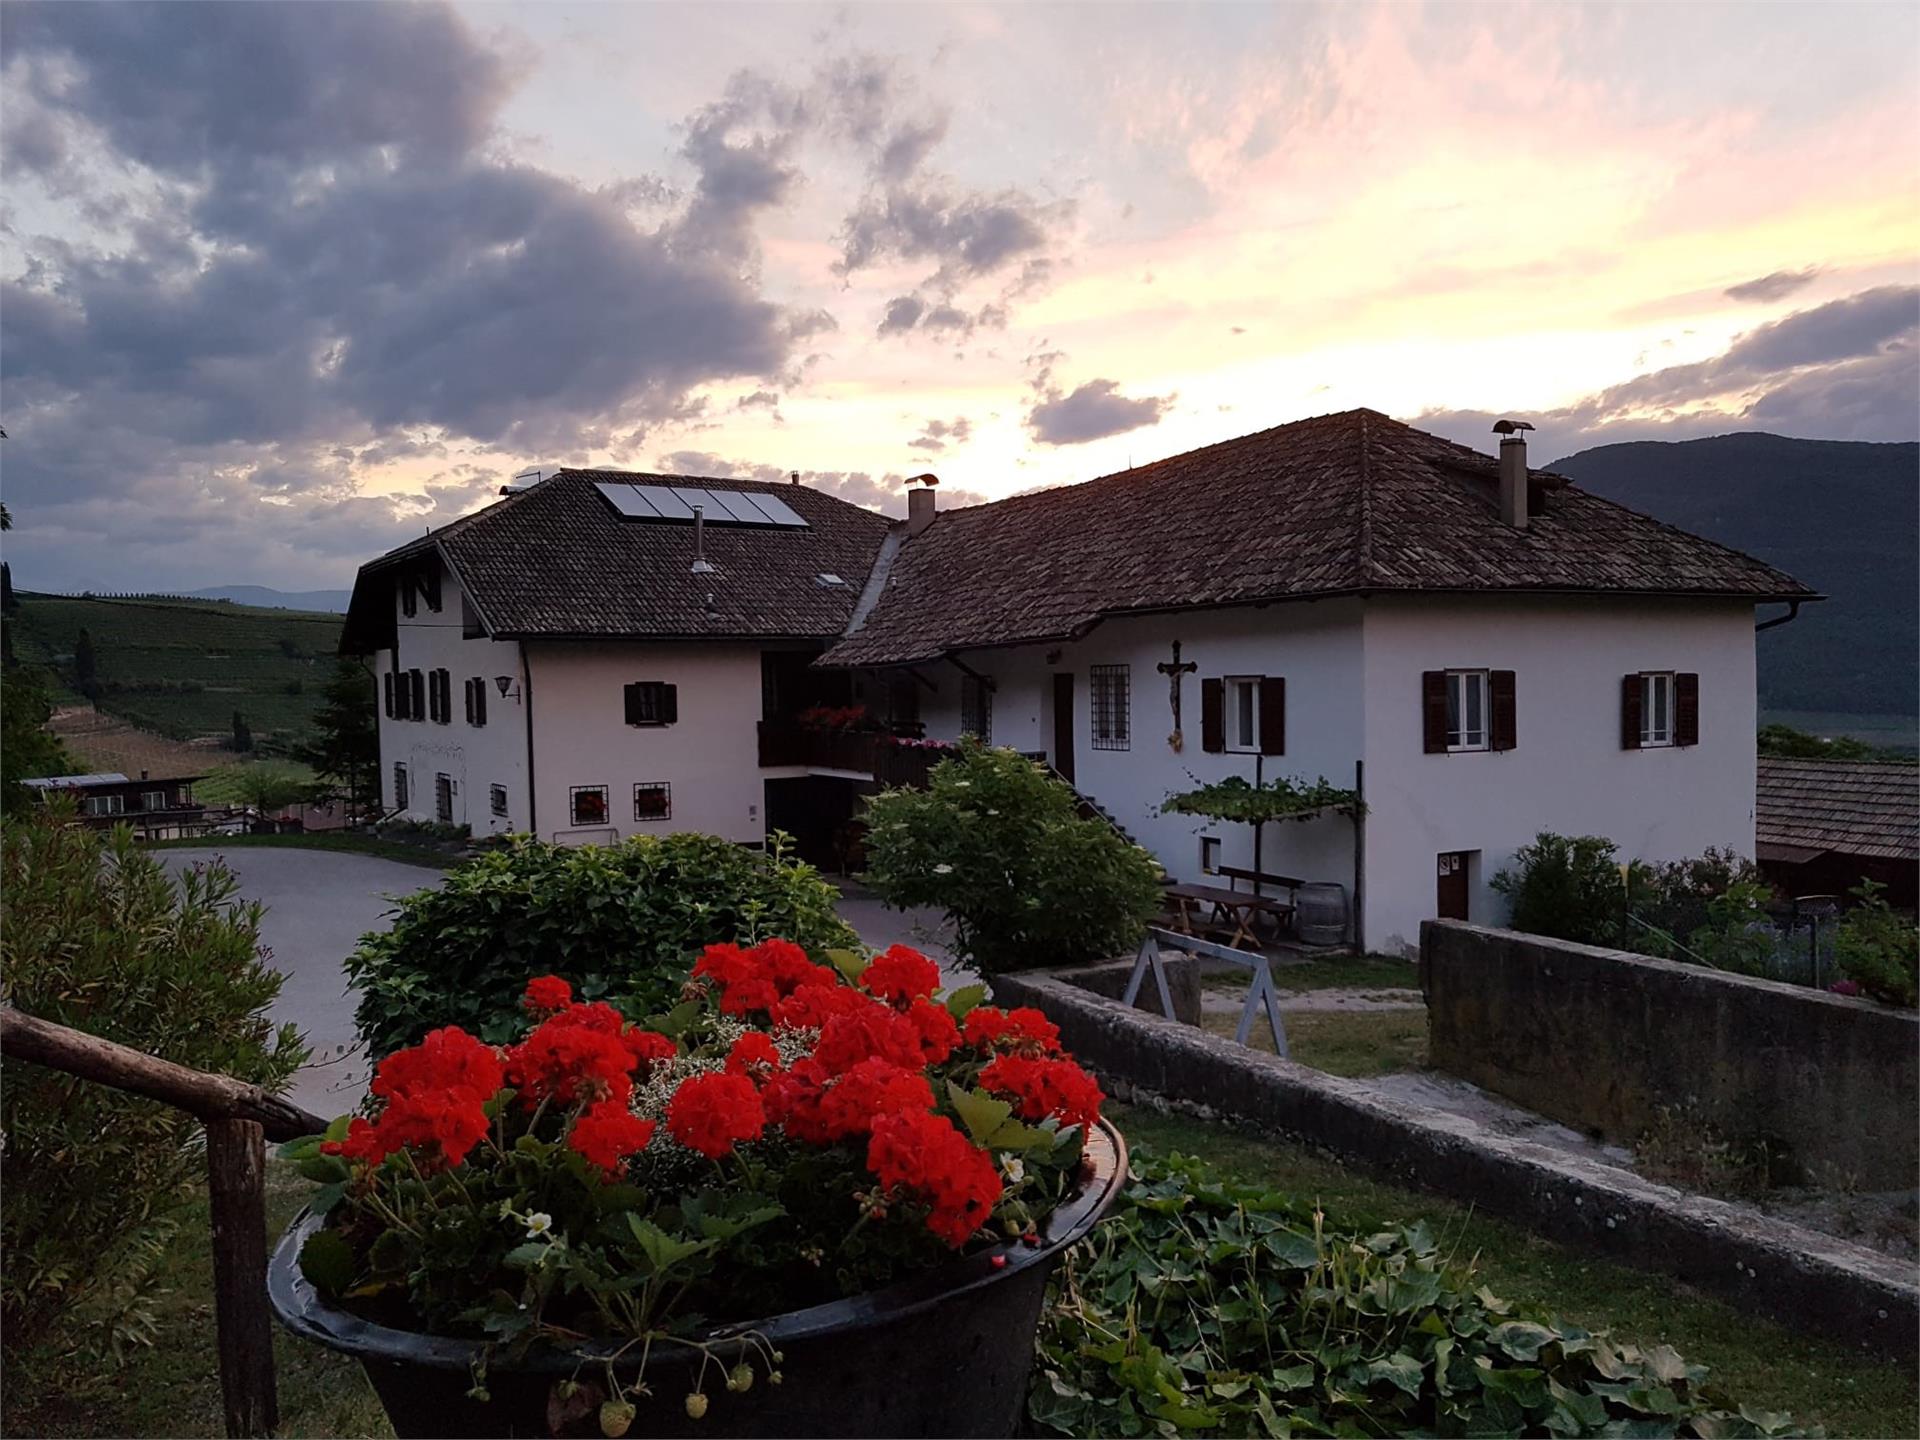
x: 236, y: 1182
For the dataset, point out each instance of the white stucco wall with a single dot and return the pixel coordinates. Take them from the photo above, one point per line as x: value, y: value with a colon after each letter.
x: 710, y: 756
x: 1567, y: 773
x: 474, y: 757
x: 1315, y: 647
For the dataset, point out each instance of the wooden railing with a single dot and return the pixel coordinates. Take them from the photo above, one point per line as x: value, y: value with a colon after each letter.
x: 239, y: 1120
x: 860, y: 752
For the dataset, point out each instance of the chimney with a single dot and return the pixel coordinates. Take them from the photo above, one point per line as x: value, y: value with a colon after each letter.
x: 701, y: 565
x: 1513, y: 471
x: 920, y: 504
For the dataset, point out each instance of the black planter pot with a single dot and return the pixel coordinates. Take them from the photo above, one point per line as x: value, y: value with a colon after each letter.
x: 945, y: 1353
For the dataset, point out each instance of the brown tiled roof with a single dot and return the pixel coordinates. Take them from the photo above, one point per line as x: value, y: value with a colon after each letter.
x: 1352, y: 503
x: 556, y: 560
x: 1855, y: 807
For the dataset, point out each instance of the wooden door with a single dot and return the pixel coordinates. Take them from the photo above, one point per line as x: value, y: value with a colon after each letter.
x: 1452, y: 897
x: 1063, y: 724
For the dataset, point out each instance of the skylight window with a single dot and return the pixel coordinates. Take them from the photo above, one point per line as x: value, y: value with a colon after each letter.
x: 675, y: 503
x: 827, y: 579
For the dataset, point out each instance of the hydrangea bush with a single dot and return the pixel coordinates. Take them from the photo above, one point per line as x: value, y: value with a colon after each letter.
x: 789, y: 1133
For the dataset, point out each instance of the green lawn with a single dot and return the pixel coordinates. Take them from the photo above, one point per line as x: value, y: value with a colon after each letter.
x: 1359, y: 1044
x: 1336, y: 972
x: 174, y: 1387
x: 1754, y: 1360
x: 224, y: 784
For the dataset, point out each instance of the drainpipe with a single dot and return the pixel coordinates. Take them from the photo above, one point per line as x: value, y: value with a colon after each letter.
x: 526, y: 696
x: 1359, y: 856
x: 1793, y: 613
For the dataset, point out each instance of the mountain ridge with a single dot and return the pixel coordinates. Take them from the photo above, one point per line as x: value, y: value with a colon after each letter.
x: 1841, y: 515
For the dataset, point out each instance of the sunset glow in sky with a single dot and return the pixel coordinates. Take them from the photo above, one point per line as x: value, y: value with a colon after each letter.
x: 286, y: 284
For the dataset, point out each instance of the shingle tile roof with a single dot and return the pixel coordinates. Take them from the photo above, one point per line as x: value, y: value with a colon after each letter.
x: 557, y: 560
x: 1855, y: 807
x: 1341, y: 504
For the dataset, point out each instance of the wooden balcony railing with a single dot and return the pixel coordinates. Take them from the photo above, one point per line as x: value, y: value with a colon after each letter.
x: 861, y: 752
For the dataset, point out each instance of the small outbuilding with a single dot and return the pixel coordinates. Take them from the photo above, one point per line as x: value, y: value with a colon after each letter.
x: 1823, y: 826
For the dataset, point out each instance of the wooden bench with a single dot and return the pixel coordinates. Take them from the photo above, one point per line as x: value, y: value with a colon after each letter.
x: 1225, y: 914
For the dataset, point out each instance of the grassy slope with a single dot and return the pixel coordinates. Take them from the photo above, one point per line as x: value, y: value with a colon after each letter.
x: 174, y: 1388
x: 234, y: 652
x: 1754, y: 1360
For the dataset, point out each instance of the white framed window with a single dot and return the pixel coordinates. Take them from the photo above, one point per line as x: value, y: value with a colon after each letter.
x: 443, y: 798
x: 653, y: 800
x: 587, y: 804
x: 1466, y: 710
x: 1209, y: 854
x: 399, y: 787
x: 976, y: 709
x: 1243, y: 714
x: 103, y: 805
x: 153, y: 800
x: 1112, y: 724
x: 1656, y: 708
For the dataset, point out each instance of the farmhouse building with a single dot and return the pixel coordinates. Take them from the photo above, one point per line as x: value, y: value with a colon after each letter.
x: 157, y: 809
x: 1484, y: 651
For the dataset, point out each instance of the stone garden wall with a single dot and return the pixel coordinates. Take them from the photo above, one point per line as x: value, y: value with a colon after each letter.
x: 1601, y: 1040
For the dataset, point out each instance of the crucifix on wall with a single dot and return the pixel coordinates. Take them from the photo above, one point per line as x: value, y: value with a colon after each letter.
x: 1173, y: 670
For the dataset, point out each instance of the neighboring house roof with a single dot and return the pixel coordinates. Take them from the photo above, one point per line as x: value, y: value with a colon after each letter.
x: 78, y: 782
x: 557, y: 560
x: 1353, y: 503
x: 1807, y: 808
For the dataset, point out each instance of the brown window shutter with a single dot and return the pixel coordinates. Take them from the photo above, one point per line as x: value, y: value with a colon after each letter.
x: 1686, y: 709
x: 386, y: 691
x: 669, y: 704
x: 1630, y: 712
x: 1273, y: 716
x: 1433, y: 710
x: 479, y: 699
x: 1503, y: 732
x: 416, y: 695
x: 631, y: 694
x: 1213, y: 716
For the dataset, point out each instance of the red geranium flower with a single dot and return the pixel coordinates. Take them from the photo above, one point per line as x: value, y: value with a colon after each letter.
x: 568, y: 1059
x: 810, y: 1007
x: 898, y: 975
x: 547, y: 994
x: 1025, y: 1030
x: 754, y: 1056
x: 1040, y: 1088
x: 713, y: 1113
x: 447, y: 1059
x: 863, y: 1031
x: 871, y: 1089
x: 936, y: 1029
x: 607, y: 1132
x: 924, y: 1156
x: 646, y: 1047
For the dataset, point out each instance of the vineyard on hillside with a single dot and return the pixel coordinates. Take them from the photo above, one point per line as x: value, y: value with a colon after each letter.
x: 181, y: 668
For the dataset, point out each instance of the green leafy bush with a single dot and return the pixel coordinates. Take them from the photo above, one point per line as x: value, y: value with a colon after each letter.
x: 622, y: 922
x: 1878, y: 949
x: 1566, y: 887
x: 1672, y: 899
x: 1000, y: 845
x: 99, y: 938
x: 1739, y: 935
x: 1208, y: 1308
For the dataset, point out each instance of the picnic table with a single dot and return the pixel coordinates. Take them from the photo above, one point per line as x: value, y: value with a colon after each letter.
x: 1203, y: 909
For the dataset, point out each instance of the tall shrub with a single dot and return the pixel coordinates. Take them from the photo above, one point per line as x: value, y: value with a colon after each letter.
x: 1566, y: 887
x: 618, y: 921
x: 999, y: 845
x: 98, y: 937
x: 1878, y: 948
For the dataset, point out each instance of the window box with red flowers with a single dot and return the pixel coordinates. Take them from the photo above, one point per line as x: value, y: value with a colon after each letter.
x: 812, y: 1199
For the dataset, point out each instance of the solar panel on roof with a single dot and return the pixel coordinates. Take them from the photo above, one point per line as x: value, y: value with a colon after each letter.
x: 718, y: 507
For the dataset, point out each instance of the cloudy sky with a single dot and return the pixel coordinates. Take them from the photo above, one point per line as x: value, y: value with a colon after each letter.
x: 285, y: 284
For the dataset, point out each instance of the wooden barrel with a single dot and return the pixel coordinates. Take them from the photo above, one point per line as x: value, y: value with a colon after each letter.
x: 1320, y: 913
